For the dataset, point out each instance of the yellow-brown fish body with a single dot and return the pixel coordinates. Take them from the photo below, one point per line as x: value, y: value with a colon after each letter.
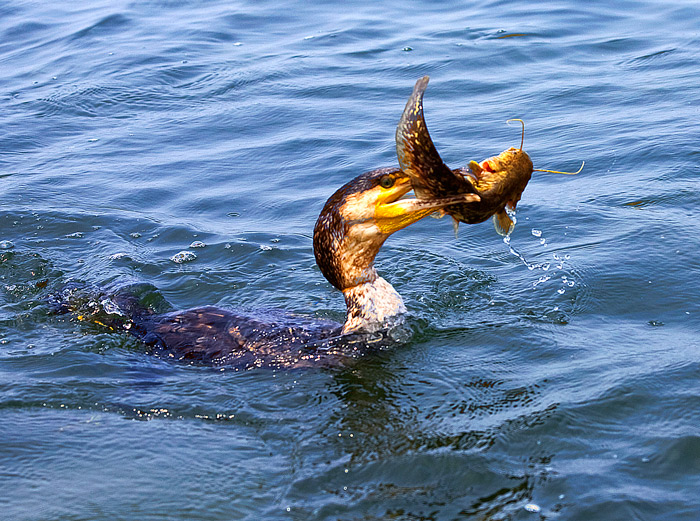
x: 498, y: 180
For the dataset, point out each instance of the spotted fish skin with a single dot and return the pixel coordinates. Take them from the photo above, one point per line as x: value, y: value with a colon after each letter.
x: 498, y: 180
x: 419, y: 158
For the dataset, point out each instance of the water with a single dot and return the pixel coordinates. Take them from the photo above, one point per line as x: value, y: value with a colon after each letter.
x: 559, y: 382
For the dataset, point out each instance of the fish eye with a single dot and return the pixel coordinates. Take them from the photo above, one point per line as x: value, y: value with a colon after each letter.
x: 386, y: 181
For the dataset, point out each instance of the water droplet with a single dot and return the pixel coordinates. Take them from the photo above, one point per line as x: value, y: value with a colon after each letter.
x: 197, y: 244
x: 117, y: 256
x: 76, y: 235
x: 561, y: 291
x: 543, y: 278
x: 183, y: 256
x: 407, y: 49
x: 135, y: 235
x: 531, y: 507
x: 111, y: 307
x: 233, y: 214
x: 537, y: 233
x: 265, y: 247
x: 6, y: 245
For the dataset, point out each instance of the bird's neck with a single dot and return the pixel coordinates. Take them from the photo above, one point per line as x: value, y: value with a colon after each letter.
x: 371, y: 306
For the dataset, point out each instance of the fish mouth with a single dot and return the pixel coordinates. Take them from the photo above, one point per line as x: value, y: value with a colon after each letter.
x: 486, y: 166
x: 506, y: 159
x: 395, y: 211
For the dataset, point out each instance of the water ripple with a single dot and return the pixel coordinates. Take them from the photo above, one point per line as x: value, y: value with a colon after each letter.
x: 557, y: 380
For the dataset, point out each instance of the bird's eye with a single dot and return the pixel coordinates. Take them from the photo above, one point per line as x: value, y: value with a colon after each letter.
x: 386, y: 181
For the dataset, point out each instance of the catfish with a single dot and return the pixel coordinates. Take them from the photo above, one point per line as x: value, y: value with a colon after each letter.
x: 499, y: 180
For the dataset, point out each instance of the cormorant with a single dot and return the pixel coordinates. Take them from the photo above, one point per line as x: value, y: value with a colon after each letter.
x: 353, y: 225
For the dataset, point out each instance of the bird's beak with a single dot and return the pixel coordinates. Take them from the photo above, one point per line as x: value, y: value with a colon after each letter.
x: 392, y: 213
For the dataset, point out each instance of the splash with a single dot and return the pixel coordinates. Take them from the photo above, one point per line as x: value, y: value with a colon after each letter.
x: 549, y: 270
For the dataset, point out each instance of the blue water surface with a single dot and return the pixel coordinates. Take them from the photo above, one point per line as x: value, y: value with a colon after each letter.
x: 555, y: 377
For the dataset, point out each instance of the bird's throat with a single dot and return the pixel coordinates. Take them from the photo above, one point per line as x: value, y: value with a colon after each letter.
x: 372, y: 306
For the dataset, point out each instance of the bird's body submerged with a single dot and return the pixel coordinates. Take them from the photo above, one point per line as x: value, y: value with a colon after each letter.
x: 220, y: 337
x: 351, y: 229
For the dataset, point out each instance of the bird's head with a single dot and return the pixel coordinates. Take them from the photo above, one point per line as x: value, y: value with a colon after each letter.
x: 360, y: 216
